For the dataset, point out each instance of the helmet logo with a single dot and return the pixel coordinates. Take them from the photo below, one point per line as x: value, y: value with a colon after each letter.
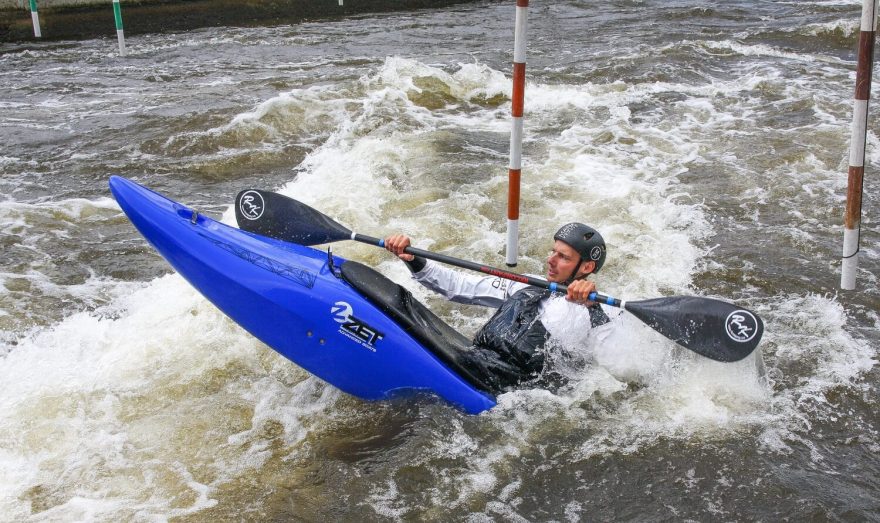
x: 567, y: 229
x: 741, y: 326
x: 595, y: 253
x: 251, y: 205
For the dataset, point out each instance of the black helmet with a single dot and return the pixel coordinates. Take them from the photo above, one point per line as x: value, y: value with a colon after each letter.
x: 585, y: 240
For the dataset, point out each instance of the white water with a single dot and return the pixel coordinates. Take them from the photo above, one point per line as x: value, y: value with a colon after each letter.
x: 142, y: 402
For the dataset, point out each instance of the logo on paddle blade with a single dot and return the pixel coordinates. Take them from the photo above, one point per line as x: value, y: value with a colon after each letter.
x: 354, y: 328
x: 251, y: 205
x: 741, y: 326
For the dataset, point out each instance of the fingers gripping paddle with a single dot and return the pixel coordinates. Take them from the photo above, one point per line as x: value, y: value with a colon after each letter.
x: 712, y: 328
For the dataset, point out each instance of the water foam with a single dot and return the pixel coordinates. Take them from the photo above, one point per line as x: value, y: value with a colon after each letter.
x: 136, y: 390
x: 631, y: 192
x: 635, y: 387
x: 765, y: 50
x: 132, y: 389
x: 843, y: 27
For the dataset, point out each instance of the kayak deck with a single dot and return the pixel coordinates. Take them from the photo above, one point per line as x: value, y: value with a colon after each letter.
x: 289, y: 297
x: 442, y: 340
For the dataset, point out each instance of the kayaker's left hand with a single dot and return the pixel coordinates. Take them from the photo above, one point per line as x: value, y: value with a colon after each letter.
x: 579, y: 292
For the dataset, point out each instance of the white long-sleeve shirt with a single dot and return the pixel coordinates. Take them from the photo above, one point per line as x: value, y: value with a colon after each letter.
x: 568, y: 323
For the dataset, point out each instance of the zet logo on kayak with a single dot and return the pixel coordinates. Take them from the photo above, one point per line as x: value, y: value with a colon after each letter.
x: 252, y: 205
x: 741, y: 326
x: 353, y: 328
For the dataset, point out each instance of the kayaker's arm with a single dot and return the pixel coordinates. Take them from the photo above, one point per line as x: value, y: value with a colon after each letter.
x: 416, y: 264
x: 489, y: 291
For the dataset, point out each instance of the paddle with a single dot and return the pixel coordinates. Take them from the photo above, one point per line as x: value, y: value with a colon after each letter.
x: 712, y: 328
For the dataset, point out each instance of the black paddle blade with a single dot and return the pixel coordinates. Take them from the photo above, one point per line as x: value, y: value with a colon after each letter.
x: 277, y: 216
x: 712, y: 328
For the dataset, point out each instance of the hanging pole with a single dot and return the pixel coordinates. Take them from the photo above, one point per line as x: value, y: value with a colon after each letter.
x: 120, y: 34
x: 856, y: 177
x: 516, y: 131
x: 36, y: 19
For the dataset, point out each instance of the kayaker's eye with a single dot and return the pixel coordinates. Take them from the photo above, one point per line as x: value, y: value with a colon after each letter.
x: 563, y: 257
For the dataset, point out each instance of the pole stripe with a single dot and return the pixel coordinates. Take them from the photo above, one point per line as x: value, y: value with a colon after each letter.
x: 869, y: 16
x: 519, y: 32
x: 855, y: 177
x: 860, y: 121
x: 117, y: 15
x: 519, y: 90
x: 35, y: 18
x: 858, y: 138
x: 850, y: 263
x: 865, y: 63
x: 512, y: 235
x: 517, y: 102
x: 513, y: 176
x: 516, y: 134
x: 850, y: 245
x: 120, y: 34
x: 857, y: 134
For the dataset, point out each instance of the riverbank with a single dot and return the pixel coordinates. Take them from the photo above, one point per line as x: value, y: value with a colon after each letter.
x: 77, y: 19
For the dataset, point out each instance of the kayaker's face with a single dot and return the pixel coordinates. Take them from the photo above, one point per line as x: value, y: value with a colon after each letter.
x: 564, y: 261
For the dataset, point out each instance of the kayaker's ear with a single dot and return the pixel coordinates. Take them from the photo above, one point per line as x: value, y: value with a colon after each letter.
x: 586, y: 268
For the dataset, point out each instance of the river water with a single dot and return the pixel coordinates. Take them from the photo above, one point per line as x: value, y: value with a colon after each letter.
x: 708, y: 141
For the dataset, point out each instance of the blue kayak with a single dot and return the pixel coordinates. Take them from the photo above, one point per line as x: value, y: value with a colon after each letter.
x: 339, y: 320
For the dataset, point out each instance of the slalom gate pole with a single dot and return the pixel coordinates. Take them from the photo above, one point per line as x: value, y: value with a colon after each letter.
x: 35, y: 17
x: 856, y: 176
x: 516, y: 131
x: 120, y: 34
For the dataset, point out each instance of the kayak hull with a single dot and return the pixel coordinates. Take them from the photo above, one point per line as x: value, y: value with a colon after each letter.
x: 287, y: 296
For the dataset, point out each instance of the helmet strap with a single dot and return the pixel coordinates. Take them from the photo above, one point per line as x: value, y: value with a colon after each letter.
x: 574, y: 272
x: 573, y: 276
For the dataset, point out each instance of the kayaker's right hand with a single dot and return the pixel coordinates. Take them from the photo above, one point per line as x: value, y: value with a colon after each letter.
x: 396, y: 243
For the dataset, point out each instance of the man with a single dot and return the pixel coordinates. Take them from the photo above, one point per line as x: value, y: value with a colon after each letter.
x: 508, y: 349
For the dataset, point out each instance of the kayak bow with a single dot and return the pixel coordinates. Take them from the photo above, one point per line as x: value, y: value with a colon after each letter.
x: 339, y: 320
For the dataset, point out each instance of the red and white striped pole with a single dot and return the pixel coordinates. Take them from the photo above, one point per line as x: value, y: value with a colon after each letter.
x: 853, y: 215
x: 516, y: 131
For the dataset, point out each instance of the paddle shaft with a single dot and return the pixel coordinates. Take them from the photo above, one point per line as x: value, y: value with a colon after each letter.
x: 716, y: 329
x: 485, y: 269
